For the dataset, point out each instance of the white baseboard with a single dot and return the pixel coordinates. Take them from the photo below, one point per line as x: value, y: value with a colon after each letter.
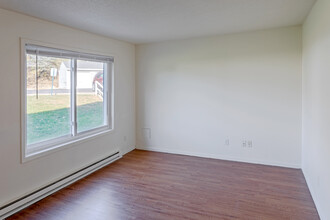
x: 126, y: 150
x: 221, y: 157
x: 313, y: 194
x: 47, y: 190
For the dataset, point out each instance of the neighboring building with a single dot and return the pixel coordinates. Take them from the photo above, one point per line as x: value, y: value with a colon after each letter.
x: 86, y: 71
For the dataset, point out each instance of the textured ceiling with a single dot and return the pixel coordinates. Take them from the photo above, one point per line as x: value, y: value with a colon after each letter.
x: 144, y: 21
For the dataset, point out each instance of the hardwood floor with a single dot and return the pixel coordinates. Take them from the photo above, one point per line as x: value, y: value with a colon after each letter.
x: 148, y: 185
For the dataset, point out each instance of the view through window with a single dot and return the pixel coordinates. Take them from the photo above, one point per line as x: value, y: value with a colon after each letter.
x: 47, y: 108
x: 66, y: 96
x: 90, y: 107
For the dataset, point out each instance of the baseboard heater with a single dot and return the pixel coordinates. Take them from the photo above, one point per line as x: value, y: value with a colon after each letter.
x: 21, y: 203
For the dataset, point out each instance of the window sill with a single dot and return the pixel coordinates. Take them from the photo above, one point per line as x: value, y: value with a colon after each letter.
x: 41, y: 151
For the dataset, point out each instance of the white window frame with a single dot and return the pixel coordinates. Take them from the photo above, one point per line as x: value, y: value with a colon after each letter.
x: 49, y: 146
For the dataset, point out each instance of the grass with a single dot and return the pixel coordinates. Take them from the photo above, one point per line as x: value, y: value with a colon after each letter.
x: 53, y: 102
x: 49, y: 116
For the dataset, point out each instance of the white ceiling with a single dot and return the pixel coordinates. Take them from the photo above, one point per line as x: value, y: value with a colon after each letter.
x: 145, y: 21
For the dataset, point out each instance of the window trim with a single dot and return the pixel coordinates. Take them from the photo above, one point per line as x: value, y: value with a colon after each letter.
x: 67, y: 141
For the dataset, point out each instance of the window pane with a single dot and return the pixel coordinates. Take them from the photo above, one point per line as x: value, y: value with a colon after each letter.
x: 48, y: 98
x: 90, y: 102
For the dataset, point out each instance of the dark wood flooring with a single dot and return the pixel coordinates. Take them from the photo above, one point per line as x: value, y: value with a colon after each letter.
x: 147, y: 185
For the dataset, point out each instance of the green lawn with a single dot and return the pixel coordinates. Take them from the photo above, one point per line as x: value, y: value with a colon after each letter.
x: 49, y: 116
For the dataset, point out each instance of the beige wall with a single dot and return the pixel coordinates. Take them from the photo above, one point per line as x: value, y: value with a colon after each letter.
x: 194, y: 94
x: 17, y: 179
x: 316, y: 105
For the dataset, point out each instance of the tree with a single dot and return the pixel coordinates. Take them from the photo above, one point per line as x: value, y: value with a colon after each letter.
x: 44, y: 65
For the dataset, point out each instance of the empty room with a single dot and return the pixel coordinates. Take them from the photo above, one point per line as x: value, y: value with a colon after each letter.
x: 165, y: 109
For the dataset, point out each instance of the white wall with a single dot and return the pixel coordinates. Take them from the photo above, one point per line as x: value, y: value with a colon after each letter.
x: 194, y: 94
x: 17, y: 179
x: 316, y: 105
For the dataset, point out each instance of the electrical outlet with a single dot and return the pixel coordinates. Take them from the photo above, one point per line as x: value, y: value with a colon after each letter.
x: 227, y: 142
x: 244, y: 143
x: 125, y: 138
x: 250, y: 144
